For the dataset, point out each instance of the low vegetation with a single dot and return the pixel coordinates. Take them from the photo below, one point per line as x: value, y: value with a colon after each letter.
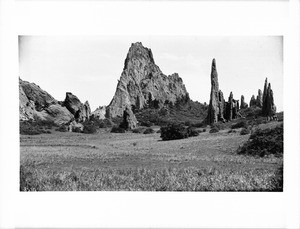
x: 36, y: 127
x: 117, y: 129
x: 142, y: 179
x: 245, y: 131
x: 264, y: 142
x: 173, y: 131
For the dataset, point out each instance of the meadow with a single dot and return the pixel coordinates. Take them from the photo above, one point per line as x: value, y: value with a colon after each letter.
x: 67, y: 161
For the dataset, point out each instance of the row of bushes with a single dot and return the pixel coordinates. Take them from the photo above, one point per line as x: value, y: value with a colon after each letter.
x: 36, y: 127
x: 177, y: 131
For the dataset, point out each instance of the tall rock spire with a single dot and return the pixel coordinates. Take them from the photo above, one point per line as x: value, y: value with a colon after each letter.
x: 216, y: 102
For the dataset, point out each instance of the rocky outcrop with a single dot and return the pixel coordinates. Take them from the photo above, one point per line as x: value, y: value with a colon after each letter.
x: 259, y: 99
x: 252, y: 101
x: 216, y: 103
x: 143, y: 84
x: 269, y: 108
x: 129, y: 120
x: 35, y: 103
x: 232, y: 108
x: 80, y: 111
x: 100, y: 112
x: 243, y: 103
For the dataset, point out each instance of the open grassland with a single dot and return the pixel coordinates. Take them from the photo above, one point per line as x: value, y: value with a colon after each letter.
x: 111, y: 161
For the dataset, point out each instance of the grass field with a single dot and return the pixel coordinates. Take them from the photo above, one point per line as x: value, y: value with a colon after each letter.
x: 110, y: 161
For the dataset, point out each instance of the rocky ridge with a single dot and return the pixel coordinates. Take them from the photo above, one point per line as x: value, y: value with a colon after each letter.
x: 37, y: 104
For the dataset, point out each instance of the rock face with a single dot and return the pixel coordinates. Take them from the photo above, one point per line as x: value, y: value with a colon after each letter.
x: 243, y: 103
x: 129, y: 121
x: 100, y: 112
x: 143, y: 84
x: 35, y: 103
x: 80, y: 111
x: 269, y: 108
x: 216, y: 103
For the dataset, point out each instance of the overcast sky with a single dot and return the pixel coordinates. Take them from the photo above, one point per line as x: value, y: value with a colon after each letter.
x: 89, y: 66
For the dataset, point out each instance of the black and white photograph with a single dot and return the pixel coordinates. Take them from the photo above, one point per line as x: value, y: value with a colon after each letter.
x: 177, y: 114
x: 149, y: 114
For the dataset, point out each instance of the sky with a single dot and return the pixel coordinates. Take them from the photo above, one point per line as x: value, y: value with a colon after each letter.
x: 90, y: 66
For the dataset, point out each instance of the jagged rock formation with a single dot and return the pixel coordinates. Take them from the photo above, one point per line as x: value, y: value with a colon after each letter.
x: 243, y: 103
x: 35, y: 103
x: 269, y: 108
x: 129, y: 120
x: 80, y: 111
x: 216, y: 102
x: 142, y: 84
x: 259, y: 99
x: 252, y: 101
x: 100, y: 112
x: 232, y: 108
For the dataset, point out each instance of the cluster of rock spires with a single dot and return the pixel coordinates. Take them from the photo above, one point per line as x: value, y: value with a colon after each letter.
x: 36, y: 103
x: 218, y: 109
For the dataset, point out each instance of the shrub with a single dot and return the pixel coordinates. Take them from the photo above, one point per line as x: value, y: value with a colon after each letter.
x: 31, y: 128
x: 214, y: 129
x: 62, y: 128
x: 264, y: 142
x: 146, y: 123
x: 241, y: 124
x: 149, y: 131
x: 139, y: 130
x: 117, y: 129
x: 204, y: 130
x: 173, y: 131
x: 105, y: 123
x: 219, y: 126
x: 192, y: 132
x: 231, y: 131
x: 76, y: 129
x: 245, y: 131
x: 89, y: 128
x: 159, y: 131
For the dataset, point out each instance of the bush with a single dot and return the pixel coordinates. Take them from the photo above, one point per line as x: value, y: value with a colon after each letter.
x: 31, y: 128
x: 219, y: 126
x: 149, y: 131
x: 264, y: 142
x: 204, y: 130
x: 117, y: 129
x: 139, y: 130
x: 192, y: 132
x: 245, y: 131
x: 214, y: 129
x: 76, y: 129
x: 241, y: 124
x: 231, y: 131
x: 89, y: 128
x: 105, y: 123
x: 173, y: 131
x: 62, y: 128
x: 147, y: 123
